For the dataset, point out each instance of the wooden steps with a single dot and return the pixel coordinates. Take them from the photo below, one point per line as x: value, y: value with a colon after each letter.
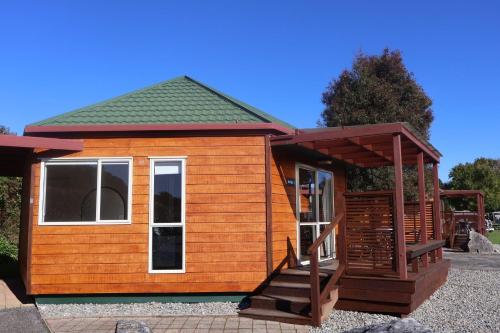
x: 287, y: 298
x: 461, y: 241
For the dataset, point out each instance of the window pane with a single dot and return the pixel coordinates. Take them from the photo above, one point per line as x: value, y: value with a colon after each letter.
x: 326, y: 249
x: 167, y: 192
x: 114, y: 191
x: 70, y: 193
x: 307, y: 237
x: 325, y: 196
x: 167, y: 248
x: 307, y: 197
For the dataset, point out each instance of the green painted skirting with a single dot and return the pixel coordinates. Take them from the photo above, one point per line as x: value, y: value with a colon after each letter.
x: 107, y: 299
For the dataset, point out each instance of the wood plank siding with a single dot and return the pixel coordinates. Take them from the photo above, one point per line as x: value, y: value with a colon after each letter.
x: 225, y: 223
x: 284, y: 224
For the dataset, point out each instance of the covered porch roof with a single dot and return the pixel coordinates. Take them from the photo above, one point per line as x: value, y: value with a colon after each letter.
x: 16, y: 150
x: 365, y: 145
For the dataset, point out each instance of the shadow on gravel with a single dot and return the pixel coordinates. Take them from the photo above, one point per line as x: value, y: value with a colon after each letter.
x: 25, y: 319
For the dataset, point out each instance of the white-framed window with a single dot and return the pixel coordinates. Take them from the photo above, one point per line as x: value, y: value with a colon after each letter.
x: 167, y: 211
x: 81, y: 191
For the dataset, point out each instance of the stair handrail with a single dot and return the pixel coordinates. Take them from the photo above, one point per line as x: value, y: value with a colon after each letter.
x: 314, y: 275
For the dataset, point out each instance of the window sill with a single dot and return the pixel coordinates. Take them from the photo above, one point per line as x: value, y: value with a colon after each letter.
x: 84, y: 223
x: 173, y: 271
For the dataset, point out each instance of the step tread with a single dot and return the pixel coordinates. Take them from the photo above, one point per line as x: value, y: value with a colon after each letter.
x: 270, y: 297
x: 293, y: 271
x: 285, y: 284
x: 273, y: 313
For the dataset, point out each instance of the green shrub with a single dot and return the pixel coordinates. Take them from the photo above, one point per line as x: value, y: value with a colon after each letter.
x: 8, y: 258
x: 7, y: 249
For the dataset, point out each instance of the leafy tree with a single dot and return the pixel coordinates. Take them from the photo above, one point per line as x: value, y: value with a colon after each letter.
x: 483, y: 174
x: 10, y: 203
x: 377, y: 89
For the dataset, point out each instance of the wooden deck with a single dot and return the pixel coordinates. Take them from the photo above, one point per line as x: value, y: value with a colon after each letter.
x: 391, y: 295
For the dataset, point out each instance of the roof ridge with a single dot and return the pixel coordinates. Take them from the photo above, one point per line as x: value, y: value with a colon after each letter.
x: 242, y: 105
x: 107, y: 101
x: 226, y: 98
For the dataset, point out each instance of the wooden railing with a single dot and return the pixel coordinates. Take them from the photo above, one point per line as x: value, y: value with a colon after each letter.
x: 318, y: 296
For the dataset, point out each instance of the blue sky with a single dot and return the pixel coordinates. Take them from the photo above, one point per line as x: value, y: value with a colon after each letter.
x: 277, y: 55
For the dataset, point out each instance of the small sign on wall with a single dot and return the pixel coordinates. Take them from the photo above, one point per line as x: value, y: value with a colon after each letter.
x: 290, y: 182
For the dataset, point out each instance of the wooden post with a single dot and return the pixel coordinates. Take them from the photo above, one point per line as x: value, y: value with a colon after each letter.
x: 269, y: 206
x: 315, y: 291
x: 438, y: 235
x: 399, y: 206
x: 482, y: 213
x: 421, y: 202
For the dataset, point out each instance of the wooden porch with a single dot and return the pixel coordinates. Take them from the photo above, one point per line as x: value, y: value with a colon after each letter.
x: 457, y: 224
x: 386, y: 261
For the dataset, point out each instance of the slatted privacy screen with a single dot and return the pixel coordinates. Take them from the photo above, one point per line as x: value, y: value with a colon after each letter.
x: 412, y: 221
x: 370, y: 233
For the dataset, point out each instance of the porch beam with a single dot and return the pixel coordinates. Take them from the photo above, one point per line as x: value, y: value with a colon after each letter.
x: 378, y: 139
x: 399, y: 208
x: 413, y: 138
x: 421, y: 202
x: 339, y: 133
x: 340, y: 143
x: 437, y: 208
x: 345, y: 149
x: 369, y: 148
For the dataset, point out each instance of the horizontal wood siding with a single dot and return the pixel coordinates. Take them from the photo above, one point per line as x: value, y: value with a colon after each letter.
x: 225, y: 224
x: 283, y: 198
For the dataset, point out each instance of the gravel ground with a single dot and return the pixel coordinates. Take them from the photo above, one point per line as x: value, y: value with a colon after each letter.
x: 136, y: 309
x: 468, y: 302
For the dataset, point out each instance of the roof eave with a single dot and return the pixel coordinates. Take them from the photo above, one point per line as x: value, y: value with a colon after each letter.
x: 27, y: 142
x: 305, y: 135
x: 103, y: 128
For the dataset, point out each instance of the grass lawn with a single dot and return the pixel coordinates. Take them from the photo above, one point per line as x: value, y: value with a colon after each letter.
x: 494, y: 236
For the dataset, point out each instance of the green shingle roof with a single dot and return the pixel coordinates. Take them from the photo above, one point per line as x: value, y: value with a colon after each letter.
x: 178, y: 101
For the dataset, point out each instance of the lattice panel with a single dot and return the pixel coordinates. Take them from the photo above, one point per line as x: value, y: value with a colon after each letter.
x: 412, y: 221
x: 370, y: 234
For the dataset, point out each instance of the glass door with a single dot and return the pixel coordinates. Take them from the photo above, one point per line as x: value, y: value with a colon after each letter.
x: 314, y: 210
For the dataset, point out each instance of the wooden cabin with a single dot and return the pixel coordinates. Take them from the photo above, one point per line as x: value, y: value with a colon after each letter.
x: 181, y: 189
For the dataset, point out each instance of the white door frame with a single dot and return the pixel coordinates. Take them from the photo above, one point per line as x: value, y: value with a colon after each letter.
x: 297, y: 209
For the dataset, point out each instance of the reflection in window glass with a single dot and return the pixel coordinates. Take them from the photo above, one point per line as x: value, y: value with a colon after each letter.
x: 167, y: 248
x: 325, y: 196
x: 114, y: 191
x: 70, y: 192
x: 307, y: 195
x: 167, y: 192
x: 326, y: 248
x: 307, y: 237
